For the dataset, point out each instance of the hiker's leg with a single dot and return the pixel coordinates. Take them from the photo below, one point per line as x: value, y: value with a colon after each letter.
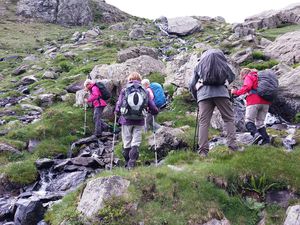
x: 125, y: 153
x: 127, y: 135
x: 156, y: 125
x: 133, y: 157
x: 206, y: 108
x: 226, y: 109
x: 261, y: 116
x: 149, y: 121
x: 137, y: 136
x: 97, y: 120
x: 136, y: 142
x: 251, y: 118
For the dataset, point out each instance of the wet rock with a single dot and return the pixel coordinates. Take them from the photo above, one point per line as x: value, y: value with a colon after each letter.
x: 136, y: 33
x: 7, y: 208
x: 99, y: 190
x: 44, y: 163
x: 8, y: 148
x: 29, y: 212
x: 76, y: 86
x: 67, y: 181
x: 293, y: 215
x: 281, y: 198
x: 85, y: 161
x: 134, y: 52
x: 167, y: 139
x: 20, y: 70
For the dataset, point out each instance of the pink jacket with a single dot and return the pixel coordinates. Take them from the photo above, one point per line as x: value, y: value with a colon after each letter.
x: 151, y: 95
x: 95, y: 97
x: 250, y: 83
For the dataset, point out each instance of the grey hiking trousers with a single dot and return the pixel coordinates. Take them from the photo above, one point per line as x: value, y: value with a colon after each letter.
x: 206, y: 108
x: 99, y: 124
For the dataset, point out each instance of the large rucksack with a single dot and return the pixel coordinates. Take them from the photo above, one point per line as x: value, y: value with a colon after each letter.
x: 213, y: 69
x: 135, y: 102
x: 104, y: 91
x: 159, y: 94
x: 267, y: 85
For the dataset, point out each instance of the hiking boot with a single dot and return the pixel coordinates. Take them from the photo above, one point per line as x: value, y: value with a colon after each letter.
x: 125, y: 153
x: 203, y: 153
x: 265, y: 136
x: 256, y: 139
x: 133, y: 157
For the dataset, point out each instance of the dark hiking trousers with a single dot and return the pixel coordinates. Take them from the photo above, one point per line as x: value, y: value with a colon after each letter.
x: 206, y: 108
x: 99, y: 124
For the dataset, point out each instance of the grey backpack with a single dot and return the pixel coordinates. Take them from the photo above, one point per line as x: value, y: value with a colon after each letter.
x: 267, y: 85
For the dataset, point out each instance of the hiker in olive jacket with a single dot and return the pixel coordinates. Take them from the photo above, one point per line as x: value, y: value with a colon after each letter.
x: 209, y: 96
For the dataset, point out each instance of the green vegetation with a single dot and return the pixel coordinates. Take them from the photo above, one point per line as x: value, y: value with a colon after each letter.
x: 272, y: 34
x: 261, y: 65
x: 156, y: 77
x: 257, y: 55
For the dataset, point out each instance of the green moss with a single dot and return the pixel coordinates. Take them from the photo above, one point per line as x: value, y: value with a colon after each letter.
x: 262, y: 65
x: 272, y: 34
x: 170, y: 89
x: 156, y: 77
x: 258, y: 55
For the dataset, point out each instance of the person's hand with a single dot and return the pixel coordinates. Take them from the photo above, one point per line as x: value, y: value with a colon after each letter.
x: 85, y: 100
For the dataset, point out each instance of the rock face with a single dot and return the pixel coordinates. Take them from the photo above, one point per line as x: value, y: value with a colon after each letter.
x: 272, y: 19
x: 293, y: 215
x: 182, y: 26
x: 287, y: 104
x: 70, y: 12
x: 99, y: 190
x: 28, y: 212
x: 134, y: 52
x: 285, y: 48
x: 143, y: 64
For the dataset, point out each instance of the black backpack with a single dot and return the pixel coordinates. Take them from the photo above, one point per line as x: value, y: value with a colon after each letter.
x: 135, y: 102
x: 104, y: 91
x: 213, y: 69
x: 267, y: 85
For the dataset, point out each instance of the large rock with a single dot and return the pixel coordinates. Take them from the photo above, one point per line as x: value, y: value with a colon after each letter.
x: 274, y: 18
x: 182, y: 26
x: 287, y: 104
x: 29, y: 212
x: 76, y: 86
x: 119, y: 72
x: 134, y: 52
x: 70, y: 12
x: 99, y: 190
x: 7, y: 148
x: 74, y: 12
x: 293, y: 215
x: 179, y: 71
x: 285, y: 48
x: 218, y: 222
x: 167, y: 139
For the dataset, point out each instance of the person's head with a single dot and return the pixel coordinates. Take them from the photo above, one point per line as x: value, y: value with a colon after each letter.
x: 134, y: 76
x: 246, y: 71
x: 145, y: 83
x: 88, y: 84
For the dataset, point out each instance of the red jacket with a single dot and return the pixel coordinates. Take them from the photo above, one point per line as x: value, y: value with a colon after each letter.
x: 95, y: 95
x: 251, y: 83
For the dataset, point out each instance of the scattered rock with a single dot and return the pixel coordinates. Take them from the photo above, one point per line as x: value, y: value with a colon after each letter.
x: 32, y: 144
x: 7, y: 148
x: 28, y: 80
x: 29, y: 212
x: 136, y: 33
x: 134, y: 52
x: 49, y: 75
x: 76, y: 86
x: 182, y: 26
x: 20, y: 70
x: 293, y: 215
x: 99, y: 190
x: 281, y: 198
x: 217, y: 222
x: 44, y: 163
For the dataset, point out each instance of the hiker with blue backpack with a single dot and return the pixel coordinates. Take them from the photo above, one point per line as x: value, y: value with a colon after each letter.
x: 97, y: 97
x: 156, y: 93
x: 132, y: 106
x: 260, y: 90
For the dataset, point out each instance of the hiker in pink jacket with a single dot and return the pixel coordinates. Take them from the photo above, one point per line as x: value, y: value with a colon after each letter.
x: 99, y: 105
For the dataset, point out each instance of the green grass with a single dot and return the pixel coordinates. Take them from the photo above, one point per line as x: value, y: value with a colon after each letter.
x: 261, y: 65
x: 272, y: 34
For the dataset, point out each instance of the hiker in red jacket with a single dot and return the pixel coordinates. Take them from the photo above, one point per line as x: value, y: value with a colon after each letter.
x: 257, y: 107
x: 99, y: 105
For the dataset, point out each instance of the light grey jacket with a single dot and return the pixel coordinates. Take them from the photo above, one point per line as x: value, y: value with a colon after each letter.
x: 208, y: 91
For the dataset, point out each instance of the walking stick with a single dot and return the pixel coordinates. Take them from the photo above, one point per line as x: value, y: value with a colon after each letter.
x: 155, y: 151
x: 84, y: 123
x: 196, y: 131
x: 113, y: 143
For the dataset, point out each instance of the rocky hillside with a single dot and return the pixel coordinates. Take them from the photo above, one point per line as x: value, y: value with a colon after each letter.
x: 54, y: 172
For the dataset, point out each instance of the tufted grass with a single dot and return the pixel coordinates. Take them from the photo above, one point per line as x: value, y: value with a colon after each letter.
x: 272, y: 34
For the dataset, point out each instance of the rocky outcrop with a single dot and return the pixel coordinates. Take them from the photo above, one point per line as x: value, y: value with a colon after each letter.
x: 183, y: 26
x: 287, y: 104
x: 4, y: 148
x: 134, y: 52
x: 167, y: 139
x: 70, y: 12
x: 285, y: 48
x: 274, y: 18
x: 119, y: 72
x: 99, y: 190
x: 28, y: 212
x: 293, y: 215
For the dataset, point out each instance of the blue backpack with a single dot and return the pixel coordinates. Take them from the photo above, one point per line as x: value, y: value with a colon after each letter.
x: 159, y: 94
